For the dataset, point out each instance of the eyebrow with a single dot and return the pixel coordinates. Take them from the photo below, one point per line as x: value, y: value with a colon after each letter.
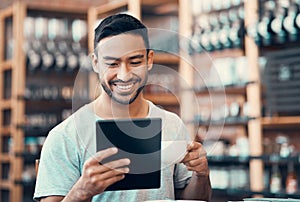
x: 136, y: 56
x: 118, y: 59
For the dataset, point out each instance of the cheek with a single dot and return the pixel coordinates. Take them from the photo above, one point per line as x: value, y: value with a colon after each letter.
x: 141, y: 71
x: 107, y: 75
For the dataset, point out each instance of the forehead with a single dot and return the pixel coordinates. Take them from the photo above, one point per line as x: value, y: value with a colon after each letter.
x: 120, y: 45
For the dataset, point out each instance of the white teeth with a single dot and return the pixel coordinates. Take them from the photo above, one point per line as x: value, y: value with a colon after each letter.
x: 123, y: 87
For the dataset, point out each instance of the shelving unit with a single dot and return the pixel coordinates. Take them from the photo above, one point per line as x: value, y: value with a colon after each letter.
x: 250, y: 91
x: 270, y: 124
x: 281, y: 121
x: 15, y: 81
x: 184, y: 101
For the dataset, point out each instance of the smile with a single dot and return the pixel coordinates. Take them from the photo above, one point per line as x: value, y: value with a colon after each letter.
x: 124, y: 87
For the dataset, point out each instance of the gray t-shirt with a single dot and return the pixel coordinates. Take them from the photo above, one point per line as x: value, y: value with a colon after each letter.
x: 73, y: 141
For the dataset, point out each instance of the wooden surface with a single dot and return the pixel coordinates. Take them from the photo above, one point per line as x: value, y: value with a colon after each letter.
x: 67, y: 6
x: 162, y: 98
x: 165, y: 58
x: 281, y: 121
x: 254, y: 99
x: 111, y: 6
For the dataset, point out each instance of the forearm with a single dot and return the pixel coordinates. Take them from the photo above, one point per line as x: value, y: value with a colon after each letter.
x: 199, y: 188
x: 76, y: 196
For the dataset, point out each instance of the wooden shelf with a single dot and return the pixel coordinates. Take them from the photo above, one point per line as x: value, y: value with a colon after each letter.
x: 162, y: 98
x: 5, y: 130
x: 269, y: 159
x: 247, y: 192
x: 6, y: 12
x: 157, y: 2
x: 6, y: 104
x: 67, y: 6
x: 233, y: 90
x: 5, y: 184
x: 111, y: 6
x: 233, y: 53
x: 230, y: 121
x: 6, y: 65
x: 166, y: 58
x: 228, y: 159
x: 5, y: 158
x: 268, y: 122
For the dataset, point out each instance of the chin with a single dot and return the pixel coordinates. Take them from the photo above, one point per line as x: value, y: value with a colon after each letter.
x: 123, y: 101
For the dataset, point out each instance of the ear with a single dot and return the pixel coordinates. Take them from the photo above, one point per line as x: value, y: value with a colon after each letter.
x: 95, y: 62
x: 150, y: 59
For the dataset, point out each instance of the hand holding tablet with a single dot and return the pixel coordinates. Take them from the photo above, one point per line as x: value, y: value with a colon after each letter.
x: 138, y: 140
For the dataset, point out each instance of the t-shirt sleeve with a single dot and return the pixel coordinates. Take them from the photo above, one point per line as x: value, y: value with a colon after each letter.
x: 182, y: 176
x: 58, y: 168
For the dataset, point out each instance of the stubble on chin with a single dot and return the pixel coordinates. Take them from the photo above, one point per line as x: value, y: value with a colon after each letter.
x: 120, y: 101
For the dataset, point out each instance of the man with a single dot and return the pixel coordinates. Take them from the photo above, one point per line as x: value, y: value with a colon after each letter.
x: 70, y: 168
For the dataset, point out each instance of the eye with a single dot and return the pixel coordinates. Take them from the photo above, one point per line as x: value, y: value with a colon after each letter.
x: 113, y: 64
x: 136, y: 62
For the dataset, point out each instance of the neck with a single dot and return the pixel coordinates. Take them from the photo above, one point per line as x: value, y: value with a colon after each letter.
x: 107, y: 108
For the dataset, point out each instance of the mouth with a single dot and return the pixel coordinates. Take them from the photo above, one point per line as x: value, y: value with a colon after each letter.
x: 124, y: 87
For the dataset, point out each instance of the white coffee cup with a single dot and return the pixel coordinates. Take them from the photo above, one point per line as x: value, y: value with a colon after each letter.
x: 173, y: 151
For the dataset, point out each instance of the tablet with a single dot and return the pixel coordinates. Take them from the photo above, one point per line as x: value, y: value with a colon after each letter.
x: 140, y: 141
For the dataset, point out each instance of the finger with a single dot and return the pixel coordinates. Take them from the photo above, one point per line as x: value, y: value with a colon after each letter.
x: 190, y: 156
x: 100, y: 155
x: 197, y: 162
x: 113, y: 180
x: 193, y: 146
x: 112, y: 173
x: 101, y: 185
x: 103, y: 154
x: 116, y: 164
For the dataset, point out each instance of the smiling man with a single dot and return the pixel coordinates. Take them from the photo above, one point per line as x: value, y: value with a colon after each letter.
x: 70, y: 168
x: 123, y: 76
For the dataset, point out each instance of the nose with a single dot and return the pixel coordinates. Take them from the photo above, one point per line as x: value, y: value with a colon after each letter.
x: 123, y: 72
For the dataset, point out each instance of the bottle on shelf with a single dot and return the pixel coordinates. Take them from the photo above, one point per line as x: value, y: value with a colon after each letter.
x: 34, y: 59
x: 61, y: 44
x: 236, y: 34
x: 41, y: 35
x: 277, y: 25
x: 194, y: 45
x: 32, y: 45
x: 214, y: 34
x: 60, y: 55
x: 225, y: 30
x: 264, y: 25
x: 291, y: 179
x: 205, y: 40
x: 72, y: 58
x: 48, y: 60
x: 79, y: 33
x: 8, y: 54
x: 289, y: 22
x: 297, y: 2
x: 232, y: 15
x: 214, y: 38
x: 275, y: 181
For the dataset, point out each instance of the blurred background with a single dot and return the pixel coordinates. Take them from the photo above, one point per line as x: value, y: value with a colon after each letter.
x: 229, y: 68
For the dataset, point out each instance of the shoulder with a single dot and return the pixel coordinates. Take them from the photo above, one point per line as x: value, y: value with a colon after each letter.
x: 79, y: 120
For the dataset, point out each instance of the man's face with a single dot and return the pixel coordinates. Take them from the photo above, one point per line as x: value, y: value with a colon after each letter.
x: 123, y: 66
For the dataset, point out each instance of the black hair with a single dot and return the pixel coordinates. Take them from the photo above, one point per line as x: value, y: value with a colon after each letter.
x: 120, y: 24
